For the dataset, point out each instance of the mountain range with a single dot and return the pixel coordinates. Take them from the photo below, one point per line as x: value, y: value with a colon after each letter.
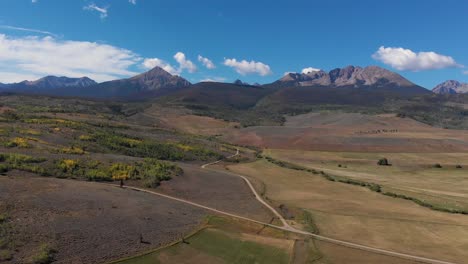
x: 158, y: 82
x: 49, y: 83
x: 348, y: 76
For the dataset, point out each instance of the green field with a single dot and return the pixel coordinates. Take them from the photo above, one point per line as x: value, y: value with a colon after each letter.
x: 223, y: 241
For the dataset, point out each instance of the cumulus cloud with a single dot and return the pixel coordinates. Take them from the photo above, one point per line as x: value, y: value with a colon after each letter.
x: 101, y: 10
x: 185, y: 64
x: 248, y: 67
x: 406, y: 59
x: 132, y: 2
x: 206, y: 62
x: 179, y: 57
x: 309, y: 69
x: 30, y: 57
x: 155, y: 62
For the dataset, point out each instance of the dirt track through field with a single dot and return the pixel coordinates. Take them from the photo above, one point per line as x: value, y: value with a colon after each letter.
x: 286, y: 226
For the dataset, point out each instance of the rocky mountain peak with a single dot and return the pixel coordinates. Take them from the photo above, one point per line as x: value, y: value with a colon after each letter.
x: 451, y: 87
x: 157, y: 78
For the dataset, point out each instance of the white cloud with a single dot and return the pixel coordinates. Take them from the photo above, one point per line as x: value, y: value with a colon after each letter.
x: 214, y: 79
x: 405, y: 59
x: 184, y: 63
x: 465, y: 72
x: 34, y: 1
x: 30, y: 57
x: 179, y: 57
x: 206, y: 62
x: 155, y: 62
x: 309, y: 69
x: 28, y: 30
x: 248, y: 67
x: 101, y: 10
x: 132, y: 2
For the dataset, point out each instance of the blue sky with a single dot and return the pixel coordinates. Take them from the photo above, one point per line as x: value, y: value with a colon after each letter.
x: 256, y: 41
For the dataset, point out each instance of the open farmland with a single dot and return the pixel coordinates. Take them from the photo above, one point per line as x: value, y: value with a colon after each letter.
x: 359, y: 215
x: 225, y: 240
x: 411, y: 174
x: 334, y: 131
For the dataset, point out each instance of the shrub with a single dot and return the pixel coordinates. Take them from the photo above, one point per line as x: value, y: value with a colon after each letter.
x: 31, y: 132
x: 10, y: 115
x: 5, y: 255
x: 437, y: 166
x: 4, y: 168
x: 68, y: 165
x: 32, y: 168
x: 18, y: 142
x: 152, y: 172
x: 383, y: 162
x: 86, y: 138
x: 14, y: 158
x: 3, y: 218
x: 459, y: 167
x: 97, y: 175
x: 72, y: 150
x: 45, y: 255
x: 120, y: 171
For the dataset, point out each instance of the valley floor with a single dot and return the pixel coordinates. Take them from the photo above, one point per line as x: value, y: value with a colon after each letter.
x: 319, y: 171
x: 358, y: 215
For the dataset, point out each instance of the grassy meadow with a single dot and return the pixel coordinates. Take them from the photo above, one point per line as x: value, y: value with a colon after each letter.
x: 224, y: 240
x: 357, y: 214
x: 415, y: 175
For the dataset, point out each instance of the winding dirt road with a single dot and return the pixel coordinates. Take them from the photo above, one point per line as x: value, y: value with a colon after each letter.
x: 286, y: 226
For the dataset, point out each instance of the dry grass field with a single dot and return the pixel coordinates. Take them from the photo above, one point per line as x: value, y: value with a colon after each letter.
x: 182, y: 120
x: 359, y: 215
x: 412, y: 174
x: 227, y: 240
x: 353, y: 133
